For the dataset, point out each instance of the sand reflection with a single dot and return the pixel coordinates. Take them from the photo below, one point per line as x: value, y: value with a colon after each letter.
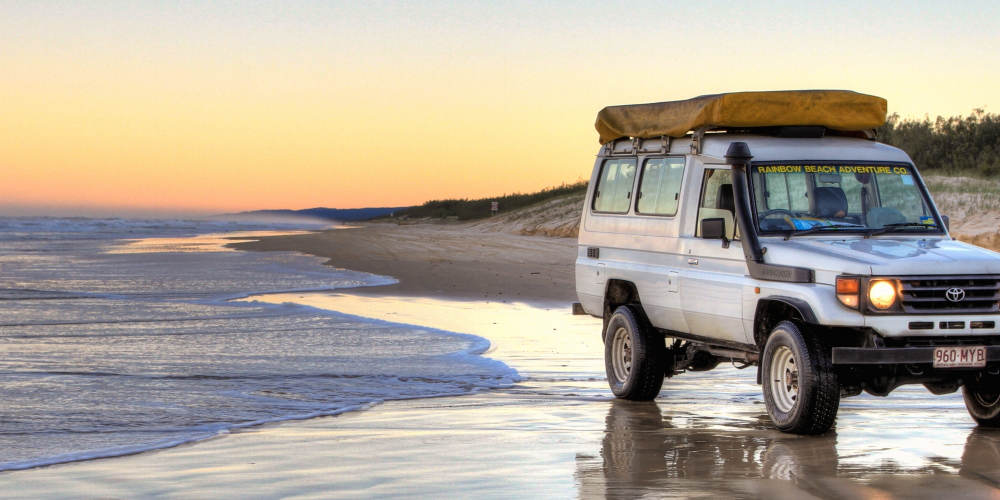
x: 644, y: 451
x: 212, y: 242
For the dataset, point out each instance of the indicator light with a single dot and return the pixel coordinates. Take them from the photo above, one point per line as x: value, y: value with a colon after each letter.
x: 847, y: 291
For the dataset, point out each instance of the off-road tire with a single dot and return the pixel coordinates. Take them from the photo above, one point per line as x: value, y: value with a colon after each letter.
x: 642, y: 364
x: 982, y: 399
x: 805, y: 363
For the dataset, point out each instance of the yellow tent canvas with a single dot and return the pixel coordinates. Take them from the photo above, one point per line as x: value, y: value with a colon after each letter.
x: 834, y: 109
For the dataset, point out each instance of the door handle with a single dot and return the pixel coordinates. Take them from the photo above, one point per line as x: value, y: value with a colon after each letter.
x: 693, y: 261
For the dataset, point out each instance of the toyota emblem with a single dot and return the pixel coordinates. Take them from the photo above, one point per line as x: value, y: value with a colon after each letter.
x: 955, y: 295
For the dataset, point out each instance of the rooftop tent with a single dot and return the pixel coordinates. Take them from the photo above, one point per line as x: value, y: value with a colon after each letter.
x: 833, y: 109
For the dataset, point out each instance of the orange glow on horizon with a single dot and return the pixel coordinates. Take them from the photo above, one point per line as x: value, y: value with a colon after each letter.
x: 160, y: 108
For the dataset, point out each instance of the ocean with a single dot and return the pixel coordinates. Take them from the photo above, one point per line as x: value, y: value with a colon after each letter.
x: 119, y: 336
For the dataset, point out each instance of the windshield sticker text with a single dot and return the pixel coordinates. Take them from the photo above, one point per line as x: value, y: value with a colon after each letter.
x: 831, y: 169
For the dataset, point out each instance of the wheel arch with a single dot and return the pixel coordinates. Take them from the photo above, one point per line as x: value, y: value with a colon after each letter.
x: 772, y: 310
x: 619, y: 293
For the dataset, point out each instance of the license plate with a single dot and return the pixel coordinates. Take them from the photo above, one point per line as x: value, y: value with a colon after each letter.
x: 960, y: 357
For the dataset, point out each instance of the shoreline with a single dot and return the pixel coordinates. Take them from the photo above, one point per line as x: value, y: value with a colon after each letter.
x: 312, y: 243
x: 230, y: 242
x: 557, y: 432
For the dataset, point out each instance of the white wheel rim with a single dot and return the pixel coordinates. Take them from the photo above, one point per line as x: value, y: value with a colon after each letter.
x: 621, y: 354
x: 784, y: 379
x: 987, y: 399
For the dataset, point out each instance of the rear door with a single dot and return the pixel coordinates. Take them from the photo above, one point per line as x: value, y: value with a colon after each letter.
x: 658, y: 259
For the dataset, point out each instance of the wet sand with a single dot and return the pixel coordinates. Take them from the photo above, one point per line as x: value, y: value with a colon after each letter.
x: 556, y: 433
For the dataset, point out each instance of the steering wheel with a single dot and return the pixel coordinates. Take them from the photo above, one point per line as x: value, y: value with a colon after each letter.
x: 773, y: 211
x: 776, y: 211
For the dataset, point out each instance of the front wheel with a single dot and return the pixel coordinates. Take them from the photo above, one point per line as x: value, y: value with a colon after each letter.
x: 800, y: 388
x: 982, y: 399
x: 634, y: 357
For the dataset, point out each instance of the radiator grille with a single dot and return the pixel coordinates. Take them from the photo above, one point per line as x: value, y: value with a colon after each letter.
x: 961, y: 294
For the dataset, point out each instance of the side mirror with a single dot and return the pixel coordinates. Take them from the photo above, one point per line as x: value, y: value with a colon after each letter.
x: 715, y: 229
x: 947, y: 222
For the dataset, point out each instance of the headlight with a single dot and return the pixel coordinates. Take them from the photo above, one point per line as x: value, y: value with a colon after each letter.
x: 882, y: 294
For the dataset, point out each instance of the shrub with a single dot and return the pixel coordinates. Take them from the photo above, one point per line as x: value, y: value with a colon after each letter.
x: 948, y: 146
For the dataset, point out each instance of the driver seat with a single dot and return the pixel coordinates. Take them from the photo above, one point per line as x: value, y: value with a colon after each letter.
x: 724, y: 198
x: 830, y: 201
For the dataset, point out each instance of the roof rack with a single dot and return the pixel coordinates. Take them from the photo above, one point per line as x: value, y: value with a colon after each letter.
x: 627, y: 146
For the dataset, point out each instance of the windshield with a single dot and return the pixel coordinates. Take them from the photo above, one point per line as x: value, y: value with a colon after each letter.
x: 797, y: 198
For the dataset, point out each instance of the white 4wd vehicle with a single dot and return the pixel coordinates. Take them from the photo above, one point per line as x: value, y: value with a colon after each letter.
x: 795, y: 243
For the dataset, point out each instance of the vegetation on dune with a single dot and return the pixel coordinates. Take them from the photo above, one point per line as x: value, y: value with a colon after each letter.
x: 466, y: 209
x: 960, y: 196
x: 959, y: 156
x: 968, y: 146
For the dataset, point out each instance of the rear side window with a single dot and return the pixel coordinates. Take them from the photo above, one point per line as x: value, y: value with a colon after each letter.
x: 787, y: 191
x: 614, y: 186
x: 660, y: 186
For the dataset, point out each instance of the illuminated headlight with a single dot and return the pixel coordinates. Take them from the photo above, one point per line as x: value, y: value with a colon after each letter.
x: 882, y: 294
x: 874, y: 295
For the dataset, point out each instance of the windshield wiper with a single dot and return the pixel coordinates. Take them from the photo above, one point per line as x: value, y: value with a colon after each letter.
x: 817, y: 229
x: 896, y: 226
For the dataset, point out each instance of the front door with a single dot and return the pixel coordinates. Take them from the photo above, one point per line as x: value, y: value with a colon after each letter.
x: 712, y: 281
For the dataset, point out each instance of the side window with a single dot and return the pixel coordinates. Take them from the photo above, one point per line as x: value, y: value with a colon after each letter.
x: 660, y: 186
x: 614, y: 186
x: 787, y: 191
x: 717, y: 200
x: 898, y: 191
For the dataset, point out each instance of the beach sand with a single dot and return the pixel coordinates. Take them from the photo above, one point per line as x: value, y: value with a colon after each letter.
x: 556, y: 433
x: 440, y: 260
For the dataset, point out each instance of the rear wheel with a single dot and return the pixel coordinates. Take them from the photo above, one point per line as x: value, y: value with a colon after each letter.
x: 800, y: 388
x: 634, y: 356
x: 982, y: 399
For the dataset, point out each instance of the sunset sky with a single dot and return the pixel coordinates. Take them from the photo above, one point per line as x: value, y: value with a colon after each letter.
x: 126, y: 108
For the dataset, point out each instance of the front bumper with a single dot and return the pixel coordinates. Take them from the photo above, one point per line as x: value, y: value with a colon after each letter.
x: 895, y: 355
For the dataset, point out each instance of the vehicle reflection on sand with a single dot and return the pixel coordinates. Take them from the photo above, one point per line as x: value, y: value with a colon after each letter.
x: 644, y: 451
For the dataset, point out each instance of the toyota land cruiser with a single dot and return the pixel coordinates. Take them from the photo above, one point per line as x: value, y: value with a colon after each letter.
x: 770, y: 229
